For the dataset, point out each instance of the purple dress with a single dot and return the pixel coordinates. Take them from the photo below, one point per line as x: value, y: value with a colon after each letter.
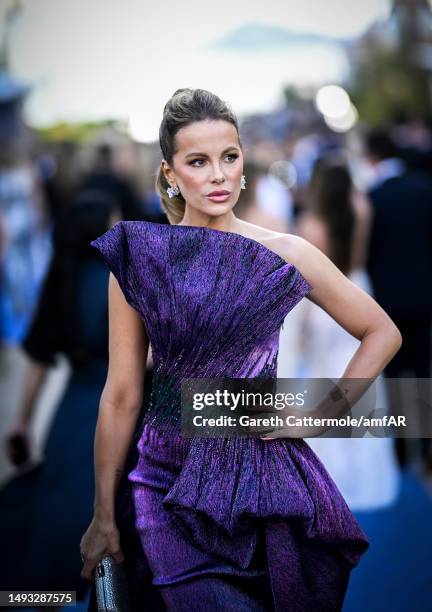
x: 222, y: 523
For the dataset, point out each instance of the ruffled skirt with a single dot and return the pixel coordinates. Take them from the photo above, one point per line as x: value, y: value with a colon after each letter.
x: 249, y: 510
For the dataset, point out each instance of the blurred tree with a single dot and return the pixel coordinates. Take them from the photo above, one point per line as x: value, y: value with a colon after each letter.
x: 389, y: 74
x: 292, y: 96
x: 76, y: 132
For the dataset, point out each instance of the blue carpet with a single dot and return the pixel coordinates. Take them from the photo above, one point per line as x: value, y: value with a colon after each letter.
x: 396, y: 572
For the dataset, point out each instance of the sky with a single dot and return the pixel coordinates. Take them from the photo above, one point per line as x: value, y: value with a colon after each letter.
x: 122, y: 59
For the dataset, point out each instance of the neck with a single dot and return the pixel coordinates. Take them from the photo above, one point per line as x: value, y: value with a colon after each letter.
x: 225, y: 223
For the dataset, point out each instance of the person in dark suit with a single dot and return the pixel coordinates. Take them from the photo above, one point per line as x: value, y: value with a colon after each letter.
x: 400, y: 260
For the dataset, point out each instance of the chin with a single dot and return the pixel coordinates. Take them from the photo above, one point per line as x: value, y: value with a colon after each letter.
x: 216, y: 210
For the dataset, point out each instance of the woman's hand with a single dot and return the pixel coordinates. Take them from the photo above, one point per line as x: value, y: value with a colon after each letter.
x: 100, y: 539
x: 296, y: 431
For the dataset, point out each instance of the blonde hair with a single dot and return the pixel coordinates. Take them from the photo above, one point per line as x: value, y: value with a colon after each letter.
x: 186, y: 106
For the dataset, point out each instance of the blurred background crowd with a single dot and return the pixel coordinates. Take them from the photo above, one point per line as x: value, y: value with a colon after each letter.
x: 336, y: 124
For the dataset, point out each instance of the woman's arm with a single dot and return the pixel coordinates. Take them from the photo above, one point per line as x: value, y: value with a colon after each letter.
x: 119, y: 408
x: 349, y: 306
x: 356, y: 312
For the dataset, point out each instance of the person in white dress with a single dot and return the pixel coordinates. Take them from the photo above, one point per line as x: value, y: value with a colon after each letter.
x: 313, y: 345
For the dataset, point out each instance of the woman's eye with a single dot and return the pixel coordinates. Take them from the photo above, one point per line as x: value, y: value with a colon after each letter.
x: 231, y: 157
x: 197, y: 163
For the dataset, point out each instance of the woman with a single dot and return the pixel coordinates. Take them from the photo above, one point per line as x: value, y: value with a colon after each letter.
x: 337, y: 222
x: 338, y: 217
x: 244, y: 523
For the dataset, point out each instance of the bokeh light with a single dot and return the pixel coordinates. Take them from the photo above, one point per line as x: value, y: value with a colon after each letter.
x: 344, y: 123
x: 332, y: 101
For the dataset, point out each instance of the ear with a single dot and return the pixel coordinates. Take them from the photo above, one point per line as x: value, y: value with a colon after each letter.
x: 168, y: 173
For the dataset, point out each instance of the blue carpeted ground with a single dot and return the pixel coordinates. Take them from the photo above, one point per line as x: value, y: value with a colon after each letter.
x: 396, y: 572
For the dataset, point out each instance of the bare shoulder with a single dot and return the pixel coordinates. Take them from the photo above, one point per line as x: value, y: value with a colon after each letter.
x: 268, y: 238
x: 290, y: 247
x: 283, y: 244
x: 297, y: 250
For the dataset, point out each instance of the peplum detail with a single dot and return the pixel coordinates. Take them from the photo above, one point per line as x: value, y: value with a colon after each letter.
x: 226, y: 486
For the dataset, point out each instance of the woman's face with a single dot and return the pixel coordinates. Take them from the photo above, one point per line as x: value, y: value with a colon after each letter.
x: 207, y: 166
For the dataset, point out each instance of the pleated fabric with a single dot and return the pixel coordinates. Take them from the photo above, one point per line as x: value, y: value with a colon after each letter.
x: 236, y: 512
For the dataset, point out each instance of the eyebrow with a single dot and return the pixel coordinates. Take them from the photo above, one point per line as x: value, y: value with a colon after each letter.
x: 205, y: 154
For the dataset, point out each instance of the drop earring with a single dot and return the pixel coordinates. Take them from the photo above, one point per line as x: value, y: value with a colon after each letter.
x: 173, y: 192
x: 243, y: 182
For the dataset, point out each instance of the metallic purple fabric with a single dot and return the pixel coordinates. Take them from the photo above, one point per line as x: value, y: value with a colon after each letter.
x: 213, y: 303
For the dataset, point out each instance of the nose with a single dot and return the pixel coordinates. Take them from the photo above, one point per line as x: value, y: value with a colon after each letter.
x: 217, y: 174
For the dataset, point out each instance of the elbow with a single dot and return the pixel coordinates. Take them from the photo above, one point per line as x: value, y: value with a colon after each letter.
x: 121, y: 400
x: 394, y: 339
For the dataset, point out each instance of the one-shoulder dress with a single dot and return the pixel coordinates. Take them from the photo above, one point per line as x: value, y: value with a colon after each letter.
x: 218, y: 523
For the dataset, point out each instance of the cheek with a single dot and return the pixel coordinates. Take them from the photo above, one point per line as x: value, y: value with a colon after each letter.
x: 192, y: 180
x: 233, y: 173
x: 236, y: 171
